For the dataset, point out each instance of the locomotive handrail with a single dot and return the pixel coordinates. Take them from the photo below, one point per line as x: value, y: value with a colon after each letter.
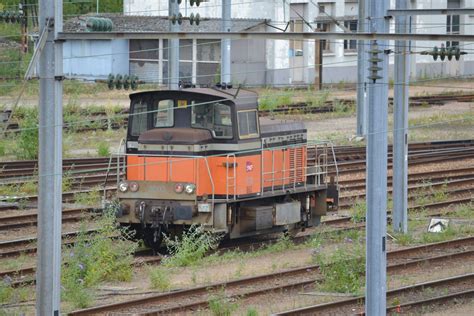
x: 212, y: 181
x: 335, y: 162
x: 122, y: 141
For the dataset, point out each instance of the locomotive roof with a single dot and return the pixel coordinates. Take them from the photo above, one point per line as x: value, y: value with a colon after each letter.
x: 243, y: 99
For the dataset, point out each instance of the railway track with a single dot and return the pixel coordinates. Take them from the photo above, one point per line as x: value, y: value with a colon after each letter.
x: 29, y: 218
x: 457, y: 287
x: 100, y: 120
x: 198, y: 298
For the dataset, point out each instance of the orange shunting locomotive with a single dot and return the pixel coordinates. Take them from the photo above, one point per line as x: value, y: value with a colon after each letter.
x: 203, y: 156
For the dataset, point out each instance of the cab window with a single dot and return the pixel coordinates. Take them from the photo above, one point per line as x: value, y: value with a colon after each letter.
x: 215, y: 117
x: 248, y: 127
x: 138, y: 118
x: 163, y: 113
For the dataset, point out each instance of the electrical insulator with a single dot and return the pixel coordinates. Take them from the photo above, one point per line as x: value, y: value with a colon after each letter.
x: 442, y: 52
x: 94, y: 24
x: 118, y: 82
x: 126, y: 82
x: 134, y: 82
x: 194, y: 19
x: 435, y: 53
x: 374, y: 61
x: 110, y: 81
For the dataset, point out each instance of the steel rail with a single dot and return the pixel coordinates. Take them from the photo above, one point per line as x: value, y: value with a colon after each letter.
x: 338, y: 305
x: 204, y: 290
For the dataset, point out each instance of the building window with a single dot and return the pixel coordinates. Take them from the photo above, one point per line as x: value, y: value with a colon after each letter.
x: 296, y: 47
x: 326, y: 44
x: 208, y: 55
x: 453, y: 22
x: 350, y: 45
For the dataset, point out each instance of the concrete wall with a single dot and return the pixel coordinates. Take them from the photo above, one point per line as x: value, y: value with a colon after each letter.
x: 95, y: 59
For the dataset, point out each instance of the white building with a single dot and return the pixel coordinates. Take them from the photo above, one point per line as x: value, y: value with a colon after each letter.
x: 263, y: 62
x: 293, y: 63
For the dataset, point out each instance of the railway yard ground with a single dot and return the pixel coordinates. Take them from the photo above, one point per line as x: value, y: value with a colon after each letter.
x: 318, y: 271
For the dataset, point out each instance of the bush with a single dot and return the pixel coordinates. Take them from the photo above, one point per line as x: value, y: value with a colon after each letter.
x: 103, y: 149
x: 28, y: 143
x: 191, y: 247
x: 159, y: 279
x: 104, y: 255
x: 221, y: 306
x: 343, y: 270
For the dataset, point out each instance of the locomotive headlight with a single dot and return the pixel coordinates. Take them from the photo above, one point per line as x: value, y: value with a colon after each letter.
x: 123, y: 187
x: 134, y: 186
x: 178, y: 188
x: 189, y: 188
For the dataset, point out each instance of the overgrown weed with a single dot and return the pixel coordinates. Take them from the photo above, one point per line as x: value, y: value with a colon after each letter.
x: 191, y: 247
x: 103, y: 255
x: 343, y: 270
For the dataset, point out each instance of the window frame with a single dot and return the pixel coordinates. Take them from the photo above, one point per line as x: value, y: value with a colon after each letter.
x: 248, y: 136
x: 213, y: 132
x: 347, y: 43
x: 156, y: 110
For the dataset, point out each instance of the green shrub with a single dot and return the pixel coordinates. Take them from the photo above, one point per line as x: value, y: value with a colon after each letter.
x: 358, y: 211
x: 103, y: 149
x: 91, y: 198
x: 221, y: 306
x: 104, y: 255
x: 191, y: 247
x: 343, y: 270
x: 252, y: 311
x: 159, y: 279
x: 28, y: 143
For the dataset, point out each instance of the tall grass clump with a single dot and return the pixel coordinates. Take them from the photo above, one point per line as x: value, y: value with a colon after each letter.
x: 190, y: 247
x: 103, y: 255
x: 103, y: 149
x: 159, y: 279
x: 220, y: 305
x: 28, y: 143
x: 343, y: 270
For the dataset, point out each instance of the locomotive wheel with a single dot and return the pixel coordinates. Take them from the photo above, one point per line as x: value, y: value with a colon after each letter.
x: 152, y: 237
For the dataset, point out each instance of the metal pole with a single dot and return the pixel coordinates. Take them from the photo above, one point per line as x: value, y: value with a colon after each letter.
x: 400, y: 125
x: 173, y: 58
x: 361, y: 72
x: 318, y: 65
x: 376, y: 186
x: 50, y: 164
x: 225, y: 43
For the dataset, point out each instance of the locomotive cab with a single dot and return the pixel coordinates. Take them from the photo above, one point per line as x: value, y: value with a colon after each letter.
x: 202, y: 156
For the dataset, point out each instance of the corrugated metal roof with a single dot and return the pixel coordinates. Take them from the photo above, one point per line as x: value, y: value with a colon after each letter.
x: 129, y: 23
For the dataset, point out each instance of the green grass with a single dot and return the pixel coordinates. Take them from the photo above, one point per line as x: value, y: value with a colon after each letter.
x: 96, y: 258
x: 159, y: 278
x: 190, y: 248
x: 103, y: 149
x: 220, y: 305
x: 343, y: 270
x: 91, y: 198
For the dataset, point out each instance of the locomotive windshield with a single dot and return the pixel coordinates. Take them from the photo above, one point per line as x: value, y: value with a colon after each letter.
x: 215, y: 117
